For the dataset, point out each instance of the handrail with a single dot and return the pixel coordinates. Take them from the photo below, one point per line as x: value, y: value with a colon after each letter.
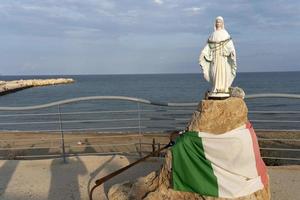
x: 161, y: 113
x: 273, y: 95
x: 138, y: 100
x: 73, y: 100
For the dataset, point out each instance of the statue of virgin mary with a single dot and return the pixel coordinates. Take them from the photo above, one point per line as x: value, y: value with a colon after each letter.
x: 218, y: 60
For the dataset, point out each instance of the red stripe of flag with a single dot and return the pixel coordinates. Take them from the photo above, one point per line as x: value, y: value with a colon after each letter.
x: 260, y: 165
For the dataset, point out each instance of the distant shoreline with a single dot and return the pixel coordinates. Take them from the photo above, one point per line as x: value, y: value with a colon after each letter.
x: 7, y: 87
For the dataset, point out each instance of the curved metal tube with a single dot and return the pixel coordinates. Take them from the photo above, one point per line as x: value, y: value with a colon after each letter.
x: 273, y: 95
x: 138, y: 100
x: 73, y: 100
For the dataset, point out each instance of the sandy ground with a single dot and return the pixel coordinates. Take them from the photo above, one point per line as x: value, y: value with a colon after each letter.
x: 53, y: 180
x: 19, y: 145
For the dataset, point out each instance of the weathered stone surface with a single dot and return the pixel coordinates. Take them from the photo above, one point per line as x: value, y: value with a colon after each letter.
x: 214, y: 116
x: 155, y: 186
x: 219, y: 116
x: 120, y: 191
x: 237, y: 92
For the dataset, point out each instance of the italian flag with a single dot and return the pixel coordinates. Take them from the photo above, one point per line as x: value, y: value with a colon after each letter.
x: 226, y: 165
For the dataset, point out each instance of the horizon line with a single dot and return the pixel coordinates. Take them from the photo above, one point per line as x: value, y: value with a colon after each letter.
x: 88, y: 74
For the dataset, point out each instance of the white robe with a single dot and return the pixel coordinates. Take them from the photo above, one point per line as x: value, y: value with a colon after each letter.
x: 218, y: 61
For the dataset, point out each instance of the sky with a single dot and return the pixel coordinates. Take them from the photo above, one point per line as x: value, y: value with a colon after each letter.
x: 143, y: 36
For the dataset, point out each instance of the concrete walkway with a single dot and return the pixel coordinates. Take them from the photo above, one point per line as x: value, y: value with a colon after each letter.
x: 53, y: 180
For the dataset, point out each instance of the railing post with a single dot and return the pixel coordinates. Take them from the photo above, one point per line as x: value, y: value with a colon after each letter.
x: 140, y: 131
x: 153, y: 145
x: 62, y: 135
x: 158, y: 147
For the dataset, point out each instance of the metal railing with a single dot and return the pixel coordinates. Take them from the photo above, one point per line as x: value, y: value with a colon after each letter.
x: 140, y: 117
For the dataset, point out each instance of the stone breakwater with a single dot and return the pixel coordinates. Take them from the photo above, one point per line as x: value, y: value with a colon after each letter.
x: 13, y: 86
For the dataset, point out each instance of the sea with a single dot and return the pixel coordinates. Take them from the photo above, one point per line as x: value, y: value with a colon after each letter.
x: 117, y: 115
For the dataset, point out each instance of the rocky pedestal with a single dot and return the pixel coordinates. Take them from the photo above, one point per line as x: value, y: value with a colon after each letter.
x: 219, y: 116
x: 213, y: 116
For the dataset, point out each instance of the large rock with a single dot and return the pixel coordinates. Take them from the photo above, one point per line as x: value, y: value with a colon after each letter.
x: 219, y: 116
x: 157, y: 186
x: 213, y: 116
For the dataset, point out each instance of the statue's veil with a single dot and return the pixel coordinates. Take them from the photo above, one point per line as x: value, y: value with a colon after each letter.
x: 219, y: 35
x: 219, y: 18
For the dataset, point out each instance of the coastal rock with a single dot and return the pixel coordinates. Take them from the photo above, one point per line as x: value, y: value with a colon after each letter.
x: 120, y: 191
x: 11, y: 86
x: 42, y: 82
x: 137, y: 190
x: 214, y: 116
x: 219, y: 116
x: 237, y: 92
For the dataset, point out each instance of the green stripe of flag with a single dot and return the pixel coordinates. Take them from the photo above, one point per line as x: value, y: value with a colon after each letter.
x: 191, y: 171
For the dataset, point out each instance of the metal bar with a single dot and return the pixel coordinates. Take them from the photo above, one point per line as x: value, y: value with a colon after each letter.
x: 182, y: 119
x: 72, y: 154
x: 72, y: 113
x: 144, y: 101
x: 103, y: 145
x: 73, y: 100
x: 29, y: 131
x: 106, y: 128
x: 153, y: 144
x: 279, y: 158
x: 140, y: 131
x: 78, y: 129
x: 71, y: 138
x: 70, y: 121
x: 71, y: 146
x: 273, y: 95
x: 25, y: 148
x: 62, y: 136
x: 278, y: 139
x: 91, y: 112
x: 92, y: 120
x: 278, y: 149
x: 275, y: 121
x: 121, y: 152
x: 277, y: 130
x: 273, y: 112
x: 132, y: 127
x: 133, y: 111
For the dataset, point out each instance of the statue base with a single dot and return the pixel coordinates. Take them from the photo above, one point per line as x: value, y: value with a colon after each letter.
x: 216, y: 98
x: 217, y: 95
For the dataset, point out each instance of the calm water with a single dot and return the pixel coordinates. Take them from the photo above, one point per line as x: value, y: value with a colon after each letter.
x: 158, y: 87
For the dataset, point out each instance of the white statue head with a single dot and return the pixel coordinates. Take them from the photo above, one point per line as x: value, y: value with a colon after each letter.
x: 219, y: 23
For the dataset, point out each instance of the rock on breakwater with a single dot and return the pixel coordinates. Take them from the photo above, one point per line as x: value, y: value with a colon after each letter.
x: 13, y: 86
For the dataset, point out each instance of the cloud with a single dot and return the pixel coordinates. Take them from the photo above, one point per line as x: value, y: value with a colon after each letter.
x: 158, y: 2
x: 194, y: 10
x: 99, y: 31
